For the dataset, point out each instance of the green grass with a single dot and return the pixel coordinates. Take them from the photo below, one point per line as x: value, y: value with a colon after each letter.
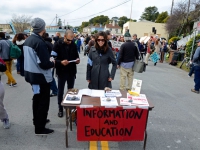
x: 178, y: 65
x: 183, y: 66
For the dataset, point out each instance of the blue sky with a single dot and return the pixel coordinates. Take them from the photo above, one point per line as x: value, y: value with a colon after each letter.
x: 47, y: 9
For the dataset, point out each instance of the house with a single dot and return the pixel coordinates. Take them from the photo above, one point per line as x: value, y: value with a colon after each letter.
x: 97, y: 28
x: 91, y: 28
x: 144, y: 28
x: 87, y: 30
x: 113, y: 27
x: 6, y: 28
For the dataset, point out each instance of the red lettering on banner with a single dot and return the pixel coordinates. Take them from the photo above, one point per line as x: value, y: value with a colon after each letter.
x: 111, y: 124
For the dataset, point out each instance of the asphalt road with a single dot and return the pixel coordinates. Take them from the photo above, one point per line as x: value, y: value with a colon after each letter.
x: 172, y: 125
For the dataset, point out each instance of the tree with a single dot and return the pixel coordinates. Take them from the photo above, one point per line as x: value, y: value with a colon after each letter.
x: 122, y: 21
x: 99, y: 20
x: 150, y: 13
x: 161, y: 17
x: 83, y: 25
x: 183, y: 17
x: 59, y: 23
x: 95, y: 31
x: 21, y: 23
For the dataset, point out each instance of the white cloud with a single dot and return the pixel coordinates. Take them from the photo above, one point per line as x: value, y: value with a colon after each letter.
x: 47, y: 9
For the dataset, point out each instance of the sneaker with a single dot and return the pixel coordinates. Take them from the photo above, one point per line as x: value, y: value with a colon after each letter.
x: 193, y: 90
x: 6, y: 124
x: 52, y: 94
x: 14, y: 84
x: 8, y: 84
x: 45, y: 132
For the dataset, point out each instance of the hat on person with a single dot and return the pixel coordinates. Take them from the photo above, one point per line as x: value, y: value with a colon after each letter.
x: 198, y: 41
x: 38, y: 25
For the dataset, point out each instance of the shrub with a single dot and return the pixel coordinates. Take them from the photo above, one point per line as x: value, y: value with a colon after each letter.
x: 173, y: 39
x: 188, y: 48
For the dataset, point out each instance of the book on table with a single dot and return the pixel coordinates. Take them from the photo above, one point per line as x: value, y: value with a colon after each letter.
x: 140, y: 100
x: 108, y: 101
x: 113, y: 93
x: 136, y: 86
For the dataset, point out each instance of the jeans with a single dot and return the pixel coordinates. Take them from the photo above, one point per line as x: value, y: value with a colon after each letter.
x: 117, y: 54
x: 18, y: 64
x: 53, y: 85
x: 41, y: 107
x: 78, y: 49
x: 191, y: 70
x: 197, y: 78
x: 3, y: 113
x: 8, y: 72
x: 61, y: 86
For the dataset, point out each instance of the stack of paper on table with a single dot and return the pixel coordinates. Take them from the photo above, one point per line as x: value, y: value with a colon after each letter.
x: 109, y: 101
x: 136, y: 86
x: 92, y: 93
x: 72, y: 99
x: 140, y: 100
x: 113, y: 93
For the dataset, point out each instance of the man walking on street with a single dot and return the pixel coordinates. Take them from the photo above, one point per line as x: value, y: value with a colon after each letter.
x: 37, y: 71
x: 127, y: 55
x: 196, y: 62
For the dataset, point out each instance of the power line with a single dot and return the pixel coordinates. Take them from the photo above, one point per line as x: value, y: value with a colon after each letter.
x: 52, y: 21
x: 102, y: 11
x: 76, y: 9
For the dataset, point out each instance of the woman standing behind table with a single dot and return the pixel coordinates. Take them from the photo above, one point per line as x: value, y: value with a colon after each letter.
x: 100, y: 56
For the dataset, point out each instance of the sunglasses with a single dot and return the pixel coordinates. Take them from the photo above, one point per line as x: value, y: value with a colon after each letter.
x: 69, y: 40
x: 102, y: 40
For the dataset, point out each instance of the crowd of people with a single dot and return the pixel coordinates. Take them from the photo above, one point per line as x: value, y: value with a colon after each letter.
x: 42, y: 55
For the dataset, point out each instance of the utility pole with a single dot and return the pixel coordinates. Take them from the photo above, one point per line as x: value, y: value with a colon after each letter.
x: 131, y: 9
x: 172, y: 6
x: 56, y: 19
x: 64, y: 23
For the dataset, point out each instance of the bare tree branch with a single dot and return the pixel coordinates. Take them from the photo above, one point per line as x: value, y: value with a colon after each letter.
x: 21, y: 23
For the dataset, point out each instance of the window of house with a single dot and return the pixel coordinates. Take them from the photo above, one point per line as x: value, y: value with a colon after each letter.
x: 110, y: 29
x: 116, y: 30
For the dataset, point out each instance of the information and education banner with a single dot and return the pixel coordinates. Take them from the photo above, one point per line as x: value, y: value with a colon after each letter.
x: 111, y: 124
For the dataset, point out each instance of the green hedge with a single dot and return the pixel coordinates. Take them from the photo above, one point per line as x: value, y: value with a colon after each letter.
x: 189, y: 45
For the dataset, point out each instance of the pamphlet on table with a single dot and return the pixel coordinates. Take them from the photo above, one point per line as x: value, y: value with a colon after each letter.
x: 72, y: 99
x: 92, y: 93
x: 113, y: 93
x: 109, y: 101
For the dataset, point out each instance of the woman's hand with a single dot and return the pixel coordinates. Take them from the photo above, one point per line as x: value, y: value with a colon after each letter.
x: 88, y: 81
x: 109, y: 79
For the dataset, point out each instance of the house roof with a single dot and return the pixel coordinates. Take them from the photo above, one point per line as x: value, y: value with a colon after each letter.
x: 111, y: 26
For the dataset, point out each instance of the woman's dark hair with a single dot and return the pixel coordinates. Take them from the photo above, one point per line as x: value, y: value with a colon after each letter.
x: 45, y: 35
x: 105, y: 45
x: 2, y: 35
x: 15, y: 39
x: 20, y: 37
